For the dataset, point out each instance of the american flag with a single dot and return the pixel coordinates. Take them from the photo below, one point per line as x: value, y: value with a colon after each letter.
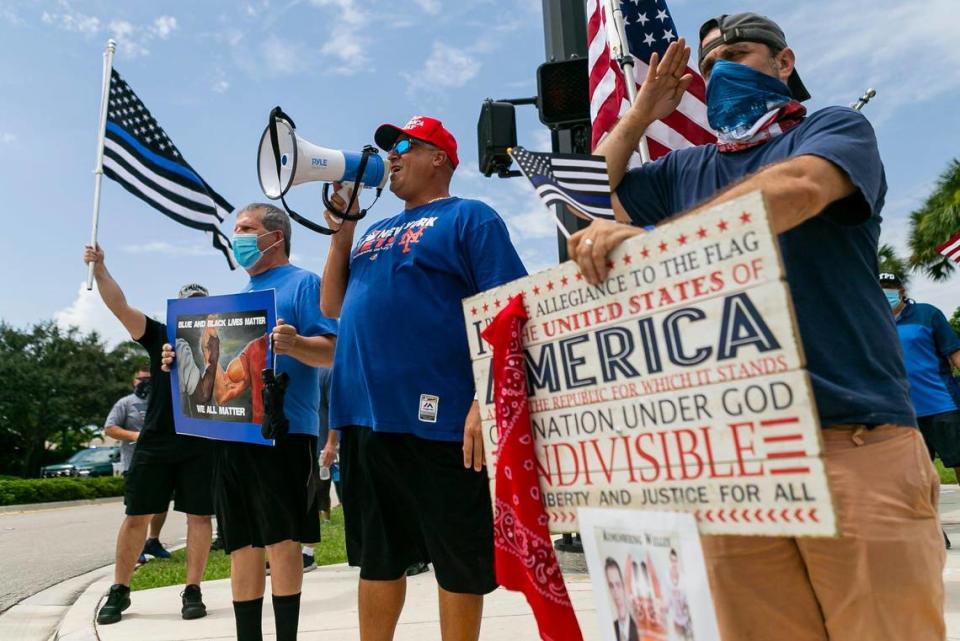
x: 951, y: 248
x: 649, y: 28
x: 581, y: 182
x: 138, y: 154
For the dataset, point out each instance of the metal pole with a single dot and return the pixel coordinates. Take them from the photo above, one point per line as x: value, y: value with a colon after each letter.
x: 98, y: 170
x: 621, y: 52
x: 565, y: 37
x: 864, y: 99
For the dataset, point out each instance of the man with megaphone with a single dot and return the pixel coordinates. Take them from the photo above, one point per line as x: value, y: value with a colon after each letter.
x: 412, y: 466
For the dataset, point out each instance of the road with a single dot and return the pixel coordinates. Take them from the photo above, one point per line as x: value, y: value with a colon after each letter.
x: 45, y: 546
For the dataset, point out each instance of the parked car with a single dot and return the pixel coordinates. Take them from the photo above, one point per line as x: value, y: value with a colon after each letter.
x: 93, y: 461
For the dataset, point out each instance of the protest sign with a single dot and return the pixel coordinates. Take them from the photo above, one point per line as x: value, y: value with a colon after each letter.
x: 221, y: 400
x: 649, y: 576
x: 675, y: 384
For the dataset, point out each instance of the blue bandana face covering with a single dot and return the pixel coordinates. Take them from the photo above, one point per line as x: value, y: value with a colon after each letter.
x: 245, y: 249
x: 738, y: 96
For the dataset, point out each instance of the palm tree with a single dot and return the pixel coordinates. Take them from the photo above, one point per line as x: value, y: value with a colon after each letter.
x: 890, y: 262
x: 934, y: 223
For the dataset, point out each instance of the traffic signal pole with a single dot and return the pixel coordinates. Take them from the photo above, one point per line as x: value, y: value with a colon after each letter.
x: 565, y: 37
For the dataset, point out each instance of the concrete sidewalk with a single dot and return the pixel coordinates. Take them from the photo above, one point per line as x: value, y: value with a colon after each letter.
x: 329, y: 612
x: 329, y: 607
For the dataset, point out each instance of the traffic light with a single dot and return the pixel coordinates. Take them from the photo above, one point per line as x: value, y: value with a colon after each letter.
x: 496, y: 132
x: 563, y: 93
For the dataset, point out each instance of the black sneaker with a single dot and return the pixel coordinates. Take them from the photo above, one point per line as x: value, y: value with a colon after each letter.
x: 417, y: 568
x: 118, y: 600
x: 193, y: 607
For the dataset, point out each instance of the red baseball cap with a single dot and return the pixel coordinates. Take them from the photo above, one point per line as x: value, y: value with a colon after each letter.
x: 422, y: 128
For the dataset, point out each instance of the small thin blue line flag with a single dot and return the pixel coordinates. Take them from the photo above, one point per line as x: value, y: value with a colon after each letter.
x: 138, y: 154
x: 578, y: 181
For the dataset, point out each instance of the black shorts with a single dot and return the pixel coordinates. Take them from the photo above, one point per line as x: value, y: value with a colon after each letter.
x: 408, y: 499
x: 170, y: 465
x: 264, y: 495
x: 941, y: 433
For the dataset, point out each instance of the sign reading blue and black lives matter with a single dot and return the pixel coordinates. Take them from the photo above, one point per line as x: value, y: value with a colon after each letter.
x: 675, y: 384
x: 221, y: 399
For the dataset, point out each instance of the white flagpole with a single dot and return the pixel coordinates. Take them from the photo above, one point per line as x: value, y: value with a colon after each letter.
x: 98, y: 170
x: 621, y: 52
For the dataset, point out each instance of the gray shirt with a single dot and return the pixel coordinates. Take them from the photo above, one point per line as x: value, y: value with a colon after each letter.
x: 129, y: 413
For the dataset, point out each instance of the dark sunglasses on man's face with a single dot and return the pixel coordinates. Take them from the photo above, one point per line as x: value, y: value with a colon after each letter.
x: 403, y: 146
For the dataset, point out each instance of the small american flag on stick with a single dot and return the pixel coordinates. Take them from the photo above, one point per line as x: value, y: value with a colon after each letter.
x: 579, y: 182
x: 951, y: 248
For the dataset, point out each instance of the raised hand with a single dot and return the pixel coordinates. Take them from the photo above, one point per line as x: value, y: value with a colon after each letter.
x: 665, y: 83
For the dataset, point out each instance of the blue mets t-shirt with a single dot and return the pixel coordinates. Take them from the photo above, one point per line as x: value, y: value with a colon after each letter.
x: 402, y: 362
x: 853, y: 356
x: 928, y: 341
x: 297, y: 293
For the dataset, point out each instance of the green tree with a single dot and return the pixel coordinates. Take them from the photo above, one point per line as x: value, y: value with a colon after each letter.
x: 892, y: 263
x: 934, y: 223
x: 55, y: 386
x: 955, y: 320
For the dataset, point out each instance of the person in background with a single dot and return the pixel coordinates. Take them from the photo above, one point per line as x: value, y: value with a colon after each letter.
x: 164, y: 463
x: 124, y: 423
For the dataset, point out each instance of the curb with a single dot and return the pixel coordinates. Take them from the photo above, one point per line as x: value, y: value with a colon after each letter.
x: 79, y: 620
x: 53, y: 505
x: 39, y: 616
x: 78, y: 623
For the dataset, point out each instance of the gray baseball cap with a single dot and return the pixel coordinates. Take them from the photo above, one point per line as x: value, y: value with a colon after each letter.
x: 193, y: 289
x: 750, y: 27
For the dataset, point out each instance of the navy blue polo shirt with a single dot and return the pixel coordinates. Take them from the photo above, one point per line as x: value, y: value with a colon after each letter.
x: 928, y: 341
x: 848, y: 334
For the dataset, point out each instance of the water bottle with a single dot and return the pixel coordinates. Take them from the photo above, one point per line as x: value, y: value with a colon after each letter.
x: 324, y: 473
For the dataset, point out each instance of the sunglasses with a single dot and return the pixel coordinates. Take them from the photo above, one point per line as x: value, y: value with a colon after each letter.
x: 403, y: 146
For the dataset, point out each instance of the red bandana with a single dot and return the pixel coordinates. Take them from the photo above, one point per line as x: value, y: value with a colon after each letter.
x: 525, y: 560
x: 784, y: 119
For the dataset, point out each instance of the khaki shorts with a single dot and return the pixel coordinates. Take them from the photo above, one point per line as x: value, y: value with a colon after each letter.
x: 881, y: 580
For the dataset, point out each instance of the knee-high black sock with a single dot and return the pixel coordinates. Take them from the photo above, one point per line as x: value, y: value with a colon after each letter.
x: 249, y: 616
x: 286, y: 613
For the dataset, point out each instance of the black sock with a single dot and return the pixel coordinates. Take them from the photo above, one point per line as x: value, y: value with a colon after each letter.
x: 249, y: 616
x: 286, y: 612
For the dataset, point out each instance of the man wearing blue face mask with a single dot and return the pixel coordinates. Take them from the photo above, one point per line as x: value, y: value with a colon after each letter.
x: 265, y: 497
x: 824, y: 187
x: 931, y: 349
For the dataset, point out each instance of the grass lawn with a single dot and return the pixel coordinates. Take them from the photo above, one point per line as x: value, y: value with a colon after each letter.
x: 173, y: 571
x: 947, y: 475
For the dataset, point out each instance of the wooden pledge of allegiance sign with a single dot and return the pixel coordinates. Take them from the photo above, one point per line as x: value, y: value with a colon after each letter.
x: 675, y: 384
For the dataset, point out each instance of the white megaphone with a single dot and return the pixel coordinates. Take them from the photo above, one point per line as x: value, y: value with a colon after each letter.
x: 285, y: 159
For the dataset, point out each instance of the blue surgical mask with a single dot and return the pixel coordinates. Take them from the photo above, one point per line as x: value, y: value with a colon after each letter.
x: 738, y: 96
x: 893, y: 297
x: 246, y: 250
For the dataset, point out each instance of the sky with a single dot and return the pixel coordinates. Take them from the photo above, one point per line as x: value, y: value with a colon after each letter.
x: 211, y: 71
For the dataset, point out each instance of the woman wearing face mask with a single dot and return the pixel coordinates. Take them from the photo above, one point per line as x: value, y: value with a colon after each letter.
x: 823, y: 185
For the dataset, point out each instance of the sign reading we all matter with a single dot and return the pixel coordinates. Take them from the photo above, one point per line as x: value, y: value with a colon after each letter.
x: 675, y: 384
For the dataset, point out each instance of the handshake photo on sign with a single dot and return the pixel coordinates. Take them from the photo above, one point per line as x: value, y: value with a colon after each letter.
x: 220, y: 357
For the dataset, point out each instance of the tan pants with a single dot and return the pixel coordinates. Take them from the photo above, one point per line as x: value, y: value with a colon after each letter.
x: 880, y: 581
